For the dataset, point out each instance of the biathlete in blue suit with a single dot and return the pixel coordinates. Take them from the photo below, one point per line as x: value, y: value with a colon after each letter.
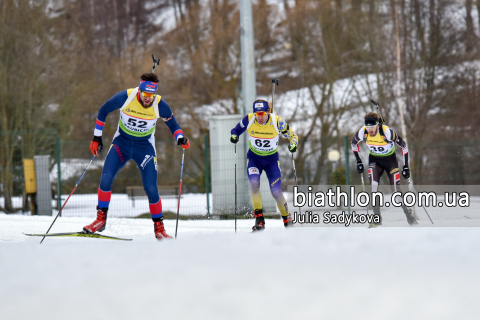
x: 134, y: 140
x: 264, y: 129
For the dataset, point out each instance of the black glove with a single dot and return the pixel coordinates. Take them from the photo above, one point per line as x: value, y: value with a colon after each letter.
x: 234, y: 138
x: 292, y: 147
x: 406, y: 172
x: 183, y: 142
x: 360, y: 167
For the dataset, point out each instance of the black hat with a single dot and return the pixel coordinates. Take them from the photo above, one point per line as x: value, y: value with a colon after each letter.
x: 371, y: 121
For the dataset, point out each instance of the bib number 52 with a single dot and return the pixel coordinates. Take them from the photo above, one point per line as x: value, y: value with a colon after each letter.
x: 139, y: 124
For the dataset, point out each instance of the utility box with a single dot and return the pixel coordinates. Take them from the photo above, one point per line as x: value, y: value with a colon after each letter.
x: 222, y: 155
x: 44, y: 188
x: 29, y: 173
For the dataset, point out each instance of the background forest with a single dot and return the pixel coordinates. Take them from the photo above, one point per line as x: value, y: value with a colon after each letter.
x: 61, y: 60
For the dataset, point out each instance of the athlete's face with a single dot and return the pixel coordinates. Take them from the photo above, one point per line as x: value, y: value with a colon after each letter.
x: 262, y: 117
x: 372, y: 130
x: 146, y: 98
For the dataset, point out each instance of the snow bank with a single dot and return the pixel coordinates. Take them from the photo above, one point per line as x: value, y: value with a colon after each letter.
x: 210, y: 272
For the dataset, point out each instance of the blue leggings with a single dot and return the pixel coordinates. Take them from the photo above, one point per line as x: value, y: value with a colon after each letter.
x: 144, y: 155
x: 271, y: 165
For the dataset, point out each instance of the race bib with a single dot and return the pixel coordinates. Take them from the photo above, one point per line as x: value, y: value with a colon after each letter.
x: 263, y: 144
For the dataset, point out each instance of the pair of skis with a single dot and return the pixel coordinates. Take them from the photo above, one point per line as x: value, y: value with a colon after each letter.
x: 76, y: 234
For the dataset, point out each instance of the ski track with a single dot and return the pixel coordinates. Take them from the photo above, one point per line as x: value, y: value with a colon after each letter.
x: 210, y: 272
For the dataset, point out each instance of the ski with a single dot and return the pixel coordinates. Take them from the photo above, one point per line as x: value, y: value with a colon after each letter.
x: 76, y: 234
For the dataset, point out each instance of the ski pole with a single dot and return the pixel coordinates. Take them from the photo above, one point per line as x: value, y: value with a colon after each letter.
x: 235, y: 187
x: 277, y: 82
x: 179, y: 193
x: 411, y: 185
x: 68, y: 196
x: 296, y: 183
x: 363, y: 185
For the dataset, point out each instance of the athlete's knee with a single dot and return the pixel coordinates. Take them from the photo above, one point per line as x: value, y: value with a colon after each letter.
x: 152, y: 193
x: 276, y: 191
x: 255, y: 185
x: 106, y: 181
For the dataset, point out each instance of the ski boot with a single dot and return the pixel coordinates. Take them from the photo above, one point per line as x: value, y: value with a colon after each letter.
x: 287, y: 221
x: 259, y: 220
x: 160, y: 232
x: 99, y: 224
x: 376, y: 211
x: 410, y: 217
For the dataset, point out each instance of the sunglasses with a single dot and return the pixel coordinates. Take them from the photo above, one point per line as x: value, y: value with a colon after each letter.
x: 261, y: 113
x: 147, y: 95
x: 371, y: 127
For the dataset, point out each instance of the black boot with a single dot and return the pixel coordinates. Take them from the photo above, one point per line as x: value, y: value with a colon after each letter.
x: 410, y: 217
x: 376, y: 211
x: 259, y: 220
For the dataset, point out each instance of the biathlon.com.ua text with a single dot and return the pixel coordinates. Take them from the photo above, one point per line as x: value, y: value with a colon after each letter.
x: 338, y: 198
x: 363, y: 199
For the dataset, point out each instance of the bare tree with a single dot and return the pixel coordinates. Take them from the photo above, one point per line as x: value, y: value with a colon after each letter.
x: 27, y: 52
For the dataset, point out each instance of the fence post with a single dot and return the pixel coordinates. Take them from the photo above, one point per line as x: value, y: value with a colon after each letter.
x: 347, y: 171
x: 207, y: 177
x: 59, y: 182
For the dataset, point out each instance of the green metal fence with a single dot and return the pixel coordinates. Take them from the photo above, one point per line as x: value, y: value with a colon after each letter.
x: 439, y: 163
x: 128, y: 197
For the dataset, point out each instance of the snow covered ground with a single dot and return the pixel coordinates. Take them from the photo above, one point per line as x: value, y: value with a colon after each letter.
x: 210, y: 272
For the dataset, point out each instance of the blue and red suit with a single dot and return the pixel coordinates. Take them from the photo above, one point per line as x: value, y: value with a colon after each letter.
x: 134, y: 140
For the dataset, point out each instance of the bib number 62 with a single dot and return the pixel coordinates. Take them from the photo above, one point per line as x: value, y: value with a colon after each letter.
x: 262, y: 143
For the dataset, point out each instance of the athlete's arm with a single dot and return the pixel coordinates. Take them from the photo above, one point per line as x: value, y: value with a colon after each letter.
x: 286, y: 131
x: 114, y: 103
x: 167, y: 116
x: 400, y: 142
x: 357, y: 138
x: 240, y: 127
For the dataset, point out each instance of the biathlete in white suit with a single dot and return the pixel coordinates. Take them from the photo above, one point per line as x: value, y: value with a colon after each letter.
x: 381, y: 141
x: 140, y: 108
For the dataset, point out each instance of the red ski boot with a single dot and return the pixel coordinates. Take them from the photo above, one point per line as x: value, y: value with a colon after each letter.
x: 287, y: 221
x: 99, y: 224
x: 259, y: 220
x: 160, y: 232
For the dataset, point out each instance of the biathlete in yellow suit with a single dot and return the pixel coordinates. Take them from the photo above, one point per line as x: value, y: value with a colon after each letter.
x: 381, y: 141
x: 139, y: 108
x: 264, y: 129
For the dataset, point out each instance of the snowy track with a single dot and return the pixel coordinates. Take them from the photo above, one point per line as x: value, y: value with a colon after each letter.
x: 211, y: 273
